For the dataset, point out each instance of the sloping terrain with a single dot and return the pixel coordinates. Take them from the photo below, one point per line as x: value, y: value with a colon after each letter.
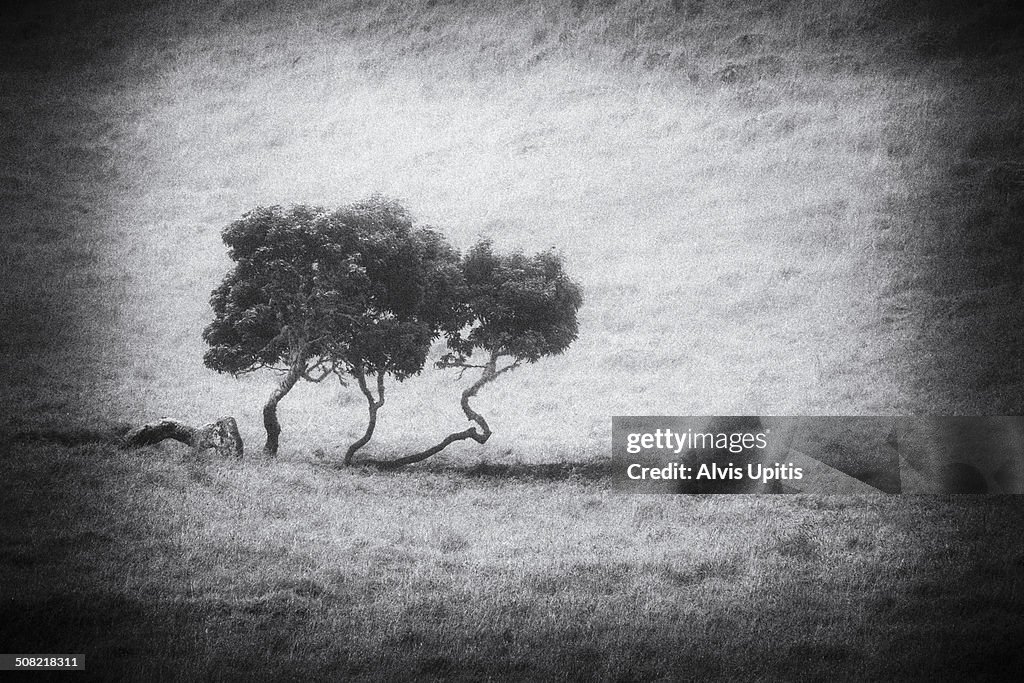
x: 773, y: 208
x: 783, y: 209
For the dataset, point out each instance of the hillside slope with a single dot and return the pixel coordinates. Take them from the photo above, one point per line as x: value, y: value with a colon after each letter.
x: 791, y: 208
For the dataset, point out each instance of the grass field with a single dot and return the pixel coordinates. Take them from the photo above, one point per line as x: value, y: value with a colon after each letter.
x: 787, y: 208
x: 157, y: 568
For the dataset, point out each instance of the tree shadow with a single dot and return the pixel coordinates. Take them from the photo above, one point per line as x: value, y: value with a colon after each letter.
x: 602, y: 470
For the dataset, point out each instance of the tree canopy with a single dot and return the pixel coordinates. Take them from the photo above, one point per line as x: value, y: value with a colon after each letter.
x: 521, y: 308
x: 363, y: 292
x: 274, y: 307
x: 358, y: 291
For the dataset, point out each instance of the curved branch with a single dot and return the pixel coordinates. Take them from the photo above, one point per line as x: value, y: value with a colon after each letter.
x: 325, y: 372
x: 373, y: 405
x: 489, y: 374
x: 284, y: 335
x: 270, y: 423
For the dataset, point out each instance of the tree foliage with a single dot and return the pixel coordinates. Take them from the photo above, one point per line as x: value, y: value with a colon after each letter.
x: 412, y: 289
x: 521, y: 309
x: 360, y: 292
x: 273, y: 310
x: 413, y: 292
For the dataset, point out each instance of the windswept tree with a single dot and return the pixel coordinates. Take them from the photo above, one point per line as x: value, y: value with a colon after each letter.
x: 358, y: 292
x: 414, y: 292
x: 522, y: 308
x: 284, y: 305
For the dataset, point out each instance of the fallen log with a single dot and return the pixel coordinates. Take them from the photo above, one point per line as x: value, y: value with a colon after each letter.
x: 221, y: 435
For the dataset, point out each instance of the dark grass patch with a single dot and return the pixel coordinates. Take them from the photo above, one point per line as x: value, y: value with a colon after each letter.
x: 41, y: 549
x: 589, y: 471
x: 558, y: 624
x: 449, y: 541
x: 71, y: 437
x: 953, y: 648
x: 724, y: 569
x: 20, y: 558
x: 964, y: 241
x: 114, y: 633
x: 820, y: 652
x: 957, y: 29
x: 499, y: 472
x: 829, y: 503
x: 309, y: 588
x: 799, y: 544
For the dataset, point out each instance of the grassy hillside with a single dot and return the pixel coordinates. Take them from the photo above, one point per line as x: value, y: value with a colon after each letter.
x: 782, y: 209
x: 159, y: 570
x: 777, y: 208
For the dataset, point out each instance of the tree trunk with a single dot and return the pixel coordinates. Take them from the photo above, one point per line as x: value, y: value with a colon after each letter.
x: 270, y: 422
x: 489, y: 374
x: 221, y: 435
x: 374, y: 404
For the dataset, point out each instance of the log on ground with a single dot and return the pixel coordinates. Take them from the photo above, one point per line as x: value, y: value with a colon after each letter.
x: 221, y: 435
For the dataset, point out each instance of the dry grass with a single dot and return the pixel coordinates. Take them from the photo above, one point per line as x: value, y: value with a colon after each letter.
x: 748, y: 197
x: 722, y: 230
x: 782, y: 208
x: 155, y: 565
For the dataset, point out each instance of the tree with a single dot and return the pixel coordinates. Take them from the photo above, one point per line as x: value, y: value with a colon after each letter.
x: 360, y: 292
x: 283, y: 304
x: 521, y: 310
x: 414, y: 291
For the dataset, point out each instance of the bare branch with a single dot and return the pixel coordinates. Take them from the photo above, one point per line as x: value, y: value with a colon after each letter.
x: 283, y: 335
x: 510, y: 366
x: 488, y: 375
x: 325, y: 372
x: 373, y: 405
